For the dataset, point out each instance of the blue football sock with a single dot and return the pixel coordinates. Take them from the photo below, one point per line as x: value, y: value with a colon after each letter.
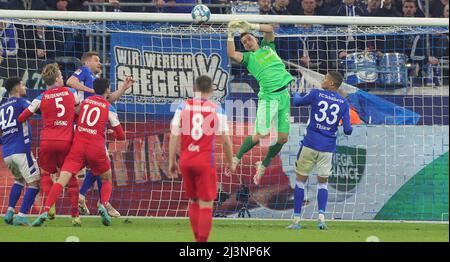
x: 299, y: 196
x: 99, y: 186
x: 28, y: 199
x: 322, y: 196
x: 88, y: 182
x: 14, y: 195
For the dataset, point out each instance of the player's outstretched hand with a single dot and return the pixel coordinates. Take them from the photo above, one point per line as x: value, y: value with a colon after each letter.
x: 173, y: 169
x: 232, y: 28
x: 128, y: 83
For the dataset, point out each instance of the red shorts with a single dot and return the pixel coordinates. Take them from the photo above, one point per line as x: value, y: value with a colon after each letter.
x: 81, y: 155
x: 200, y: 182
x: 52, y: 154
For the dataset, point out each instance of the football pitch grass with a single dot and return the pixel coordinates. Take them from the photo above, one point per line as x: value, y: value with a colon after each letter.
x: 224, y: 230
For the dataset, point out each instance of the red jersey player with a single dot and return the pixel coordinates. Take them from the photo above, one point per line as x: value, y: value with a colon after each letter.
x: 88, y: 148
x: 57, y: 105
x: 198, y: 121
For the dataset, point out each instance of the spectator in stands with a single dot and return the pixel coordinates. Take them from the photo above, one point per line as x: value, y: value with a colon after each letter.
x: 8, y: 38
x: 294, y: 7
x: 445, y: 12
x: 388, y: 9
x: 279, y: 7
x: 168, y: 6
x: 66, y: 5
x: 308, y: 7
x: 324, y: 6
x: 436, y: 7
x: 348, y: 8
x: 3, y: 4
x: 216, y: 10
x: 27, y: 5
x: 264, y: 7
x: 410, y: 9
x: 313, y: 53
x: 372, y: 7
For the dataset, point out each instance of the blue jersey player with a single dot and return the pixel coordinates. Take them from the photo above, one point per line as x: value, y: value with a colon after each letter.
x: 16, y: 147
x: 327, y: 109
x: 82, y: 80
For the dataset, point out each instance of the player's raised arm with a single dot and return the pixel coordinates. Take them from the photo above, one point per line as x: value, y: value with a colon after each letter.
x: 307, y: 99
x: 127, y: 84
x: 348, y: 129
x: 175, y: 132
x: 32, y: 109
x: 269, y: 36
x: 75, y: 83
x: 119, y: 134
x: 231, y: 49
x: 224, y: 131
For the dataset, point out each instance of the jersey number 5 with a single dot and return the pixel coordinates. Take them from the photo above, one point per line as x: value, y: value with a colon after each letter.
x: 323, y: 110
x: 60, y: 106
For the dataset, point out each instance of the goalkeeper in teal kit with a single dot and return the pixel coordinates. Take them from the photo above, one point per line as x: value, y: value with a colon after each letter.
x: 266, y: 66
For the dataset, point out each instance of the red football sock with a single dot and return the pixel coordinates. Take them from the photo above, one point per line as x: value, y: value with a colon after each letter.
x: 46, y: 183
x: 194, y: 209
x: 53, y: 196
x: 106, y: 192
x: 73, y: 191
x: 204, y: 224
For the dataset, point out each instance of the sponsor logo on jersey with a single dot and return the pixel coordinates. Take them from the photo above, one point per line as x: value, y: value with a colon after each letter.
x: 194, y: 148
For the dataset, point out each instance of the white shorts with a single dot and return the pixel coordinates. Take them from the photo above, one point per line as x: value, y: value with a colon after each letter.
x: 309, y: 158
x: 23, y: 166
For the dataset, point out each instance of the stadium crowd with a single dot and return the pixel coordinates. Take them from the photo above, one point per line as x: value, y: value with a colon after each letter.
x: 31, y: 47
x: 383, y: 8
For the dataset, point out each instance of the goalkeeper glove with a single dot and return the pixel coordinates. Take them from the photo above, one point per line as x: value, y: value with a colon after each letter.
x: 246, y: 26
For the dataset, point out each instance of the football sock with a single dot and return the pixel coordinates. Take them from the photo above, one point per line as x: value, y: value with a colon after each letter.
x: 299, y: 195
x: 204, y: 224
x: 14, y: 194
x: 28, y: 199
x: 194, y: 210
x: 73, y: 191
x: 106, y: 192
x: 246, y: 146
x: 55, y: 192
x: 273, y: 151
x: 322, y: 196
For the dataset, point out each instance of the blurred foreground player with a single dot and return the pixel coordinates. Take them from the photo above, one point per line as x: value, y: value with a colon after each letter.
x: 198, y: 121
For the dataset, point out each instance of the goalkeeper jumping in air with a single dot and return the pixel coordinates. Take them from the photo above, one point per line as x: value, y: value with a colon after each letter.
x: 269, y: 70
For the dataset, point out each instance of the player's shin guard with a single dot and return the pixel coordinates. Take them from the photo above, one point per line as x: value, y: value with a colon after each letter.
x: 53, y: 196
x: 88, y: 182
x: 273, y: 151
x: 73, y: 191
x: 194, y: 210
x: 28, y: 199
x: 299, y: 196
x: 322, y: 196
x: 46, y: 183
x: 106, y: 192
x: 204, y: 224
x: 14, y: 194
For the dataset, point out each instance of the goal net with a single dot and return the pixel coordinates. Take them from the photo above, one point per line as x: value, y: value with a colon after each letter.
x: 393, y: 166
